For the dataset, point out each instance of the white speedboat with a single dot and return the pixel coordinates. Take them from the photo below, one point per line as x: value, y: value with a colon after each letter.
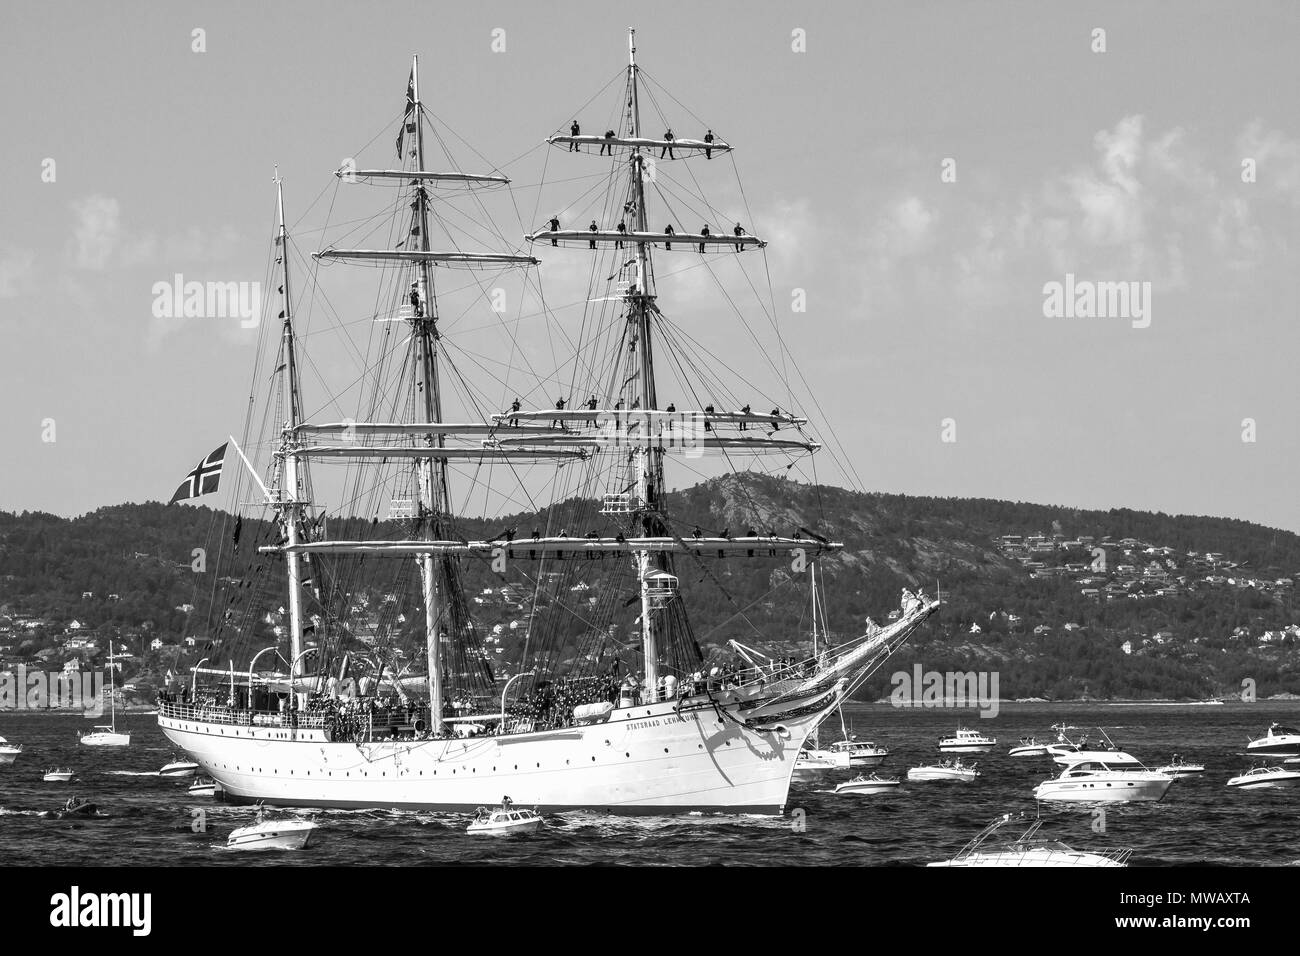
x: 1278, y: 741
x: 858, y: 753
x: 179, y: 768
x: 1003, y: 843
x: 1266, y: 778
x: 1096, y: 781
x: 271, y: 834
x: 1178, y: 767
x: 1066, y: 752
x: 203, y: 787
x: 947, y: 770
x: 505, y: 819
x: 57, y: 776
x: 868, y: 783
x: 1028, y: 747
x: 967, y: 741
x: 9, y: 752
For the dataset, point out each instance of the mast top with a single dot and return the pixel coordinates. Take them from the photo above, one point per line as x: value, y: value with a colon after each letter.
x: 279, y: 197
x: 631, y: 46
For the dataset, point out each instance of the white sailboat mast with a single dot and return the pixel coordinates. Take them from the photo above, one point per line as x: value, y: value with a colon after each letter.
x: 647, y: 462
x: 289, y: 493
x: 433, y: 472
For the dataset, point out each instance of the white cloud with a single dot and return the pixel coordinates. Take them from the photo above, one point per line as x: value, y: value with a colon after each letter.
x: 97, y: 231
x: 1277, y: 159
x: 16, y: 267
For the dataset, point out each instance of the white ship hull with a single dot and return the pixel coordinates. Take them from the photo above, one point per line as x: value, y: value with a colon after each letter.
x: 667, y: 757
x: 8, y: 756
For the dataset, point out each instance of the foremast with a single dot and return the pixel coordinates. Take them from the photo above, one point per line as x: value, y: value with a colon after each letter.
x: 289, y: 501
x: 434, y: 501
x: 648, y: 461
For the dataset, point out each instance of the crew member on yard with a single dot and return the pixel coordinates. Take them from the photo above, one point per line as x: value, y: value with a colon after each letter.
x: 574, y: 131
x: 668, y: 145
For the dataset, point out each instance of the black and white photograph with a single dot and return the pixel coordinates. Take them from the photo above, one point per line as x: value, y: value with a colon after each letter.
x: 681, y: 435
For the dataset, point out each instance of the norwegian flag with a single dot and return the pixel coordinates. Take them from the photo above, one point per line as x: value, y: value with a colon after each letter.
x: 203, y: 479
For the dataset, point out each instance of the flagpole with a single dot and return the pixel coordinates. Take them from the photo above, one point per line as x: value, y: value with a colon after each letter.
x: 251, y: 471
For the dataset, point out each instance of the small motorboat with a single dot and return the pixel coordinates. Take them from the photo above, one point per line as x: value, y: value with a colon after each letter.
x: 1278, y: 741
x: 203, y: 787
x: 810, y: 763
x: 995, y: 846
x: 180, y: 767
x: 858, y: 753
x: 1028, y: 747
x: 1096, y: 781
x: 947, y: 770
x: 75, y: 808
x: 56, y: 775
x: 1266, y: 778
x: 1178, y: 767
x: 9, y: 752
x: 967, y: 741
x: 868, y: 783
x: 1066, y: 752
x: 271, y: 834
x: 505, y: 819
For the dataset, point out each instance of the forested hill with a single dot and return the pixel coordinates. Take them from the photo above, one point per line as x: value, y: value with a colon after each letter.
x: 1062, y: 602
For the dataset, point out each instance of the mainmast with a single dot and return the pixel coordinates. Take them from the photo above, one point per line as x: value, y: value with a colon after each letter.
x: 289, y: 493
x: 432, y: 471
x: 648, y: 461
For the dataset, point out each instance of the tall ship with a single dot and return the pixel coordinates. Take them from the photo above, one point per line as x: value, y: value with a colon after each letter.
x: 349, y: 662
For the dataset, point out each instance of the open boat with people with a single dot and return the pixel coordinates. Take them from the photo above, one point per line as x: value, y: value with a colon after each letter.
x: 1266, y: 778
x: 202, y: 787
x: 945, y: 770
x: 1096, y: 781
x: 1065, y: 751
x: 57, y: 775
x: 1013, y: 840
x: 505, y: 819
x: 1179, y: 767
x: 75, y: 808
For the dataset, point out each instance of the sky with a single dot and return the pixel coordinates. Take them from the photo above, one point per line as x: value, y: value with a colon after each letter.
x: 923, y: 172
